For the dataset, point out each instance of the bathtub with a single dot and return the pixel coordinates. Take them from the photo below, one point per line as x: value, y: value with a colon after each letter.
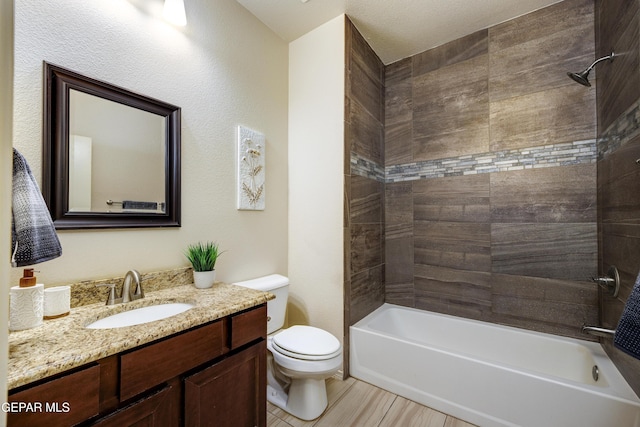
x: 490, y: 375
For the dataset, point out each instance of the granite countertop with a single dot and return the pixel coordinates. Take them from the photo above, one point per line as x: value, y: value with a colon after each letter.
x: 62, y: 344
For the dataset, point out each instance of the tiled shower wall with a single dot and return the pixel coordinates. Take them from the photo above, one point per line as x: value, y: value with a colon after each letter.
x: 490, y: 170
x: 618, y: 29
x: 364, y: 180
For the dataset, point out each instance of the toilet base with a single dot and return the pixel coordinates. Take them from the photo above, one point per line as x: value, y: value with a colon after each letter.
x: 307, y: 398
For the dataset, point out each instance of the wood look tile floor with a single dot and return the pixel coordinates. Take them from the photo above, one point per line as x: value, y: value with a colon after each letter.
x: 357, y: 403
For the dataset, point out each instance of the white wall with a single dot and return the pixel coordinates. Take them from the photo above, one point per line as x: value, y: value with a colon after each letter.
x: 224, y: 69
x: 6, y: 160
x: 316, y: 177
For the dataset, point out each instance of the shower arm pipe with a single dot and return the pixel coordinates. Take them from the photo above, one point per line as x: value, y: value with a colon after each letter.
x: 604, y: 58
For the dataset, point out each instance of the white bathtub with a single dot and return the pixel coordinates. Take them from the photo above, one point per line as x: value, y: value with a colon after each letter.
x: 490, y: 375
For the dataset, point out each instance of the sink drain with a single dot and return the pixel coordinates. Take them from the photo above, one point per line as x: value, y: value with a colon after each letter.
x: 595, y: 372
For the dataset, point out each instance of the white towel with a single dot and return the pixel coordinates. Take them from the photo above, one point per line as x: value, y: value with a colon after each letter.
x: 33, y: 235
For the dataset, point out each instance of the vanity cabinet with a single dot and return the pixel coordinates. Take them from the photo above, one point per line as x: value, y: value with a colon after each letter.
x: 214, y: 374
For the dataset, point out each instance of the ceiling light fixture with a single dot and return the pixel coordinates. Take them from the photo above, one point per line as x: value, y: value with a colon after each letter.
x: 174, y: 12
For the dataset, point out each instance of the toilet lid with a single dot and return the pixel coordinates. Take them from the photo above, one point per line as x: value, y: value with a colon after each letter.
x: 307, y: 343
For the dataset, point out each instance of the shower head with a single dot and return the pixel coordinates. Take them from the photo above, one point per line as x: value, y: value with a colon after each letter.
x: 583, y: 76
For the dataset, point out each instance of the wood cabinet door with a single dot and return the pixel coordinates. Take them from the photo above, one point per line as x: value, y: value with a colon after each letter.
x: 231, y: 393
x: 161, y: 409
x: 60, y: 402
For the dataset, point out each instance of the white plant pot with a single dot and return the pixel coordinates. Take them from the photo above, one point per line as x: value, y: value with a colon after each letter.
x: 204, y: 279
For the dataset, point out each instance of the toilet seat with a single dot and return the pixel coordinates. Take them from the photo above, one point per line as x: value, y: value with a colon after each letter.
x: 306, y: 343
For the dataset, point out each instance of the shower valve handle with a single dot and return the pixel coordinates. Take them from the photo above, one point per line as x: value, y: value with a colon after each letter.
x: 603, y: 281
x: 610, y: 282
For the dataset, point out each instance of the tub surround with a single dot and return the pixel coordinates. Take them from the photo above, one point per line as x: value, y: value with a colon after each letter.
x: 364, y: 183
x: 63, y: 344
x: 470, y: 176
x: 490, y: 175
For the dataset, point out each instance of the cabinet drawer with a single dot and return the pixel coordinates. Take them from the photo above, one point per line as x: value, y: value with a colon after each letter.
x: 64, y: 401
x: 248, y: 326
x: 152, y: 365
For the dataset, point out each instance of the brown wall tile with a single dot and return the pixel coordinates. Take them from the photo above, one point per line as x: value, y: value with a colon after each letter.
x: 450, y: 110
x: 618, y: 82
x: 400, y: 293
x: 558, y: 251
x: 398, y: 113
x: 541, y: 23
x: 367, y: 292
x: 366, y: 91
x: 620, y: 248
x: 399, y: 203
x: 458, y: 198
x: 365, y: 133
x: 552, y: 306
x: 618, y: 178
x: 399, y: 261
x: 453, y: 291
x: 564, y: 114
x: 366, y: 203
x: 461, y: 245
x: 561, y: 194
x: 533, y: 53
x: 459, y: 50
x: 366, y: 246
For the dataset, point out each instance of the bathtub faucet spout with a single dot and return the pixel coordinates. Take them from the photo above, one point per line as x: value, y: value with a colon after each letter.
x: 597, y: 331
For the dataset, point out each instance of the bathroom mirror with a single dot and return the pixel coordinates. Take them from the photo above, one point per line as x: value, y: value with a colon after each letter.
x: 111, y: 157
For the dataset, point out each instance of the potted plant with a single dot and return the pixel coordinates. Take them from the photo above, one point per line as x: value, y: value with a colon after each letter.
x: 203, y: 257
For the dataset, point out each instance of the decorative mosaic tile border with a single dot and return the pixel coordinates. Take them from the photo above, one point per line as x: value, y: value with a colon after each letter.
x: 571, y: 153
x: 624, y: 129
x: 366, y: 168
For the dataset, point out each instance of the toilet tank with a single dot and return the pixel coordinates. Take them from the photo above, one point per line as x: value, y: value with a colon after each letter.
x: 276, y: 308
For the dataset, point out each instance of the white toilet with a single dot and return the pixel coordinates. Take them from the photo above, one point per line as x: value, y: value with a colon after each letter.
x: 300, y: 358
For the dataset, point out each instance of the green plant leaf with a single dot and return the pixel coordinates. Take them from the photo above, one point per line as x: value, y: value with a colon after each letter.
x: 203, y: 256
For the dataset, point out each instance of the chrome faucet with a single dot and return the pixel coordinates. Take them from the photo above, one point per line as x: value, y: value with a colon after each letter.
x: 598, y: 331
x: 137, y: 293
x: 128, y: 294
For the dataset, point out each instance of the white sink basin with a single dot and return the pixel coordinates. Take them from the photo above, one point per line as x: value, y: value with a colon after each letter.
x: 142, y: 315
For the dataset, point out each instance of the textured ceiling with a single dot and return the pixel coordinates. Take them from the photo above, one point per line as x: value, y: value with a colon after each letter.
x: 395, y: 29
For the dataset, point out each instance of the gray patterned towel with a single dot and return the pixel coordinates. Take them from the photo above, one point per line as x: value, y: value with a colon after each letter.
x: 33, y: 236
x: 131, y: 204
x: 627, y: 337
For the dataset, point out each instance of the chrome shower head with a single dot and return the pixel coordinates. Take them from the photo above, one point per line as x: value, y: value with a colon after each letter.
x: 583, y: 76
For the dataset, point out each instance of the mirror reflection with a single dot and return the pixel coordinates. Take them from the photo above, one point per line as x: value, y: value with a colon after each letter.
x: 114, y: 168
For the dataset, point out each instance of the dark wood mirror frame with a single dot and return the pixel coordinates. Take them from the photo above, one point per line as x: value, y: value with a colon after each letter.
x: 55, y: 178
